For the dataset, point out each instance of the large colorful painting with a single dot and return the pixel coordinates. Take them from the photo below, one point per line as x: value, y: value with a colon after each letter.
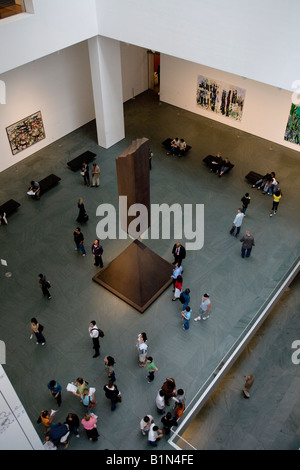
x: 220, y: 98
x: 26, y: 132
x: 292, y: 132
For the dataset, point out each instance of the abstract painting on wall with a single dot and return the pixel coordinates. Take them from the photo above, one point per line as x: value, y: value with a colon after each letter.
x: 292, y: 132
x: 220, y: 98
x: 26, y: 132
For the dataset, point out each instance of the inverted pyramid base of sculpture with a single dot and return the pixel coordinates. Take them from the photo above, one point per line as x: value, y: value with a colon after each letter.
x: 138, y: 276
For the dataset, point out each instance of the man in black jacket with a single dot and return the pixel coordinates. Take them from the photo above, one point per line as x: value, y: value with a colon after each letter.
x: 179, y: 253
x: 78, y: 239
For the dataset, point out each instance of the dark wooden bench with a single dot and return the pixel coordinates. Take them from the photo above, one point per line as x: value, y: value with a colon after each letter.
x: 76, y: 163
x: 48, y: 182
x: 252, y: 177
x: 9, y: 206
x: 167, y: 144
x: 210, y: 158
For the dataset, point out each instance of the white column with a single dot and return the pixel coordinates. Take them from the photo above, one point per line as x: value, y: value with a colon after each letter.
x: 105, y: 60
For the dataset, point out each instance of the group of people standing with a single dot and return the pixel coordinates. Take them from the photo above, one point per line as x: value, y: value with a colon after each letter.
x: 96, y: 248
x: 247, y: 239
x: 163, y: 398
x: 59, y: 433
x: 165, y: 394
x: 268, y: 185
x: 85, y: 173
x: 179, y: 254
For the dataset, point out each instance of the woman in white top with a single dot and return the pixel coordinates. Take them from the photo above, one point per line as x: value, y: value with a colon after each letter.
x: 160, y: 401
x: 182, y: 147
x: 142, y: 347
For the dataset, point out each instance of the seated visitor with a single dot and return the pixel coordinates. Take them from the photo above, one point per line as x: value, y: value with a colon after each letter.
x: 174, y: 146
x: 182, y: 147
x: 264, y: 180
x: 273, y: 185
x: 216, y: 164
x: 224, y: 168
x: 3, y: 217
x: 34, y: 190
x: 270, y: 185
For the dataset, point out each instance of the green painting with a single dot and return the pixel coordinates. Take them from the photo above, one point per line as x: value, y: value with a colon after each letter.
x: 292, y: 132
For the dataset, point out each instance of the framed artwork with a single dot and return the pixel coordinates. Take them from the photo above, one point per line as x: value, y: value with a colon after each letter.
x: 292, y: 132
x: 220, y: 98
x: 26, y: 132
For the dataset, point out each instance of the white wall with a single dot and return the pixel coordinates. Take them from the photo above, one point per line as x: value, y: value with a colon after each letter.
x: 258, y: 39
x: 134, y: 70
x: 266, y: 108
x: 54, y: 25
x: 17, y: 431
x: 59, y: 86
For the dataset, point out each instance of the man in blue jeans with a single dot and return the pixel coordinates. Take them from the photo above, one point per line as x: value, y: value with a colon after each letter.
x: 185, y: 298
x: 154, y: 435
x: 247, y: 244
x: 78, y: 239
x: 55, y: 390
x: 237, y: 223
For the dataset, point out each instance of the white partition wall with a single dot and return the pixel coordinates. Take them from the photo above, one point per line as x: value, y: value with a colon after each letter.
x: 16, y: 429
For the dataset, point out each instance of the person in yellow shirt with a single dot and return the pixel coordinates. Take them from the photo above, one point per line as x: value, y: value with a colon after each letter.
x: 276, y: 199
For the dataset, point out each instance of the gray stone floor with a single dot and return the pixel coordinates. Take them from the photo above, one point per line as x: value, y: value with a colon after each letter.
x: 270, y: 419
x: 39, y: 239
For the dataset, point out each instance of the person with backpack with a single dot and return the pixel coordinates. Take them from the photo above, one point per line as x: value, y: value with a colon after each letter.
x: 185, y: 299
x: 113, y: 394
x: 44, y: 285
x: 95, y: 334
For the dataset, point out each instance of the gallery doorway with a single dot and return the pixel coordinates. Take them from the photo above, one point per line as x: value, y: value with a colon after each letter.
x: 153, y: 70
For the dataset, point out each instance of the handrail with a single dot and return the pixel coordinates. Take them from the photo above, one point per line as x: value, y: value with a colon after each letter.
x: 233, y: 353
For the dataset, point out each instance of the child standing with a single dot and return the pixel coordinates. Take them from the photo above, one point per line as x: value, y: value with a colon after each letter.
x: 151, y: 369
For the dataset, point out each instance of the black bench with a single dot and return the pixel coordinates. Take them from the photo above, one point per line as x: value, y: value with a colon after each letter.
x: 252, y: 177
x: 167, y: 144
x: 209, y: 162
x: 9, y: 206
x: 76, y: 163
x: 48, y: 182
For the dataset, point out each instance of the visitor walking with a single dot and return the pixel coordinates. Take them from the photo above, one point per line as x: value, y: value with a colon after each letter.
x: 151, y: 369
x: 204, y: 308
